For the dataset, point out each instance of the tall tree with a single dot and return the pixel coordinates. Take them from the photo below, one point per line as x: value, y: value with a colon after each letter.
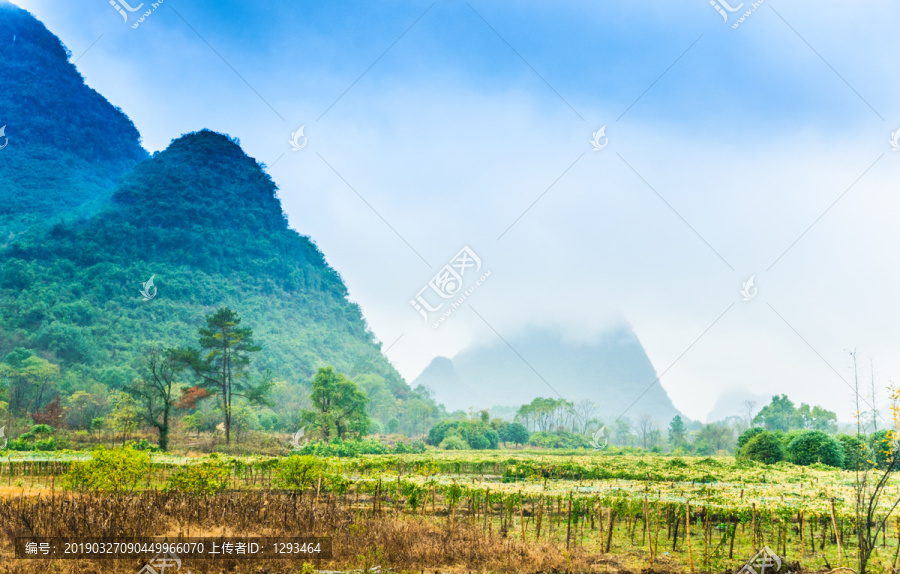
x: 777, y: 415
x: 155, y: 392
x: 222, y: 362
x: 677, y: 432
x: 340, y: 407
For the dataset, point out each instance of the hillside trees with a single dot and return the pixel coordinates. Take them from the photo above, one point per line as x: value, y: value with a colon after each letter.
x: 221, y: 362
x: 29, y: 381
x: 339, y: 406
x: 155, y: 391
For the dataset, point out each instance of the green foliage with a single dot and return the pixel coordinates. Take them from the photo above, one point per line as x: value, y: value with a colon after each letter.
x: 765, y: 447
x: 416, y: 447
x: 560, y: 439
x: 340, y: 407
x: 302, y: 472
x: 515, y: 433
x: 475, y: 434
x: 811, y: 447
x: 205, y: 220
x: 856, y: 451
x: 67, y: 143
x: 747, y: 435
x: 781, y: 414
x: 677, y: 432
x: 882, y: 448
x: 116, y: 470
x: 342, y: 448
x: 204, y: 478
x: 454, y: 442
x: 713, y: 438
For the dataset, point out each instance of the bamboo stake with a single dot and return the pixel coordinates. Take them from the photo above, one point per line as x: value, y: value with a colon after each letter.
x: 687, y: 533
x: 612, y: 523
x: 522, y: 515
x: 837, y: 535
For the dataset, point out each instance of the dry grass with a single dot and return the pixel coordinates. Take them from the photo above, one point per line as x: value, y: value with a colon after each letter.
x: 401, y: 542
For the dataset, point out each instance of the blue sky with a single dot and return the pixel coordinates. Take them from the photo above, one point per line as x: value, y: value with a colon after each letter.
x: 725, y: 145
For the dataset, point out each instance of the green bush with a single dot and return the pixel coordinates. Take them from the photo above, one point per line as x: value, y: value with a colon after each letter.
x: 477, y: 434
x: 559, y: 439
x: 342, y: 448
x: 117, y: 470
x: 765, y: 447
x: 417, y: 447
x: 856, y: 451
x: 882, y: 448
x: 811, y: 447
x: 454, y: 442
x: 207, y: 477
x: 299, y: 472
x: 747, y: 435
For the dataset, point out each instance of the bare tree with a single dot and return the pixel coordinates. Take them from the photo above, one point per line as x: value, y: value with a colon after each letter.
x: 585, y: 410
x: 872, y: 480
x: 749, y: 407
x: 645, y: 427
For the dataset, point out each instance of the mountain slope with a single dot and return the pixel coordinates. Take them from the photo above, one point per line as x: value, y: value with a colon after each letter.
x: 94, y: 217
x: 67, y: 144
x: 612, y: 372
x: 203, y: 219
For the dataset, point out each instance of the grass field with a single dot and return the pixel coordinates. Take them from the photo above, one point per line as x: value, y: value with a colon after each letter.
x: 455, y: 511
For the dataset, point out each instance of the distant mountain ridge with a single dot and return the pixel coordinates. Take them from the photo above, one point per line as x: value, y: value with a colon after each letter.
x: 613, y: 372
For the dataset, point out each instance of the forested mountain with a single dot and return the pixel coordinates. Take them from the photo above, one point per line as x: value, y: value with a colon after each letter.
x: 201, y: 218
x: 67, y: 144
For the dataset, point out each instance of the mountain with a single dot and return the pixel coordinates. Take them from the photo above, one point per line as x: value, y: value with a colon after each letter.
x: 612, y: 371
x: 201, y: 219
x: 67, y: 145
x: 734, y: 403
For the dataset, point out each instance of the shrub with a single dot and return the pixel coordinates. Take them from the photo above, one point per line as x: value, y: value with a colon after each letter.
x: 882, y: 448
x: 454, y: 442
x: 765, y: 447
x: 856, y: 451
x: 117, y: 470
x: 299, y: 472
x: 811, y: 447
x: 207, y: 477
x: 747, y: 435
x: 341, y: 448
x: 476, y: 434
x: 559, y: 439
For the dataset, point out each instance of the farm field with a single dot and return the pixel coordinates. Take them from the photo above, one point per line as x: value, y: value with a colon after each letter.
x: 452, y: 511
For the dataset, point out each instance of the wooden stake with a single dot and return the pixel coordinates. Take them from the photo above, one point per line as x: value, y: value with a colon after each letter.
x: 837, y: 535
x: 687, y: 533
